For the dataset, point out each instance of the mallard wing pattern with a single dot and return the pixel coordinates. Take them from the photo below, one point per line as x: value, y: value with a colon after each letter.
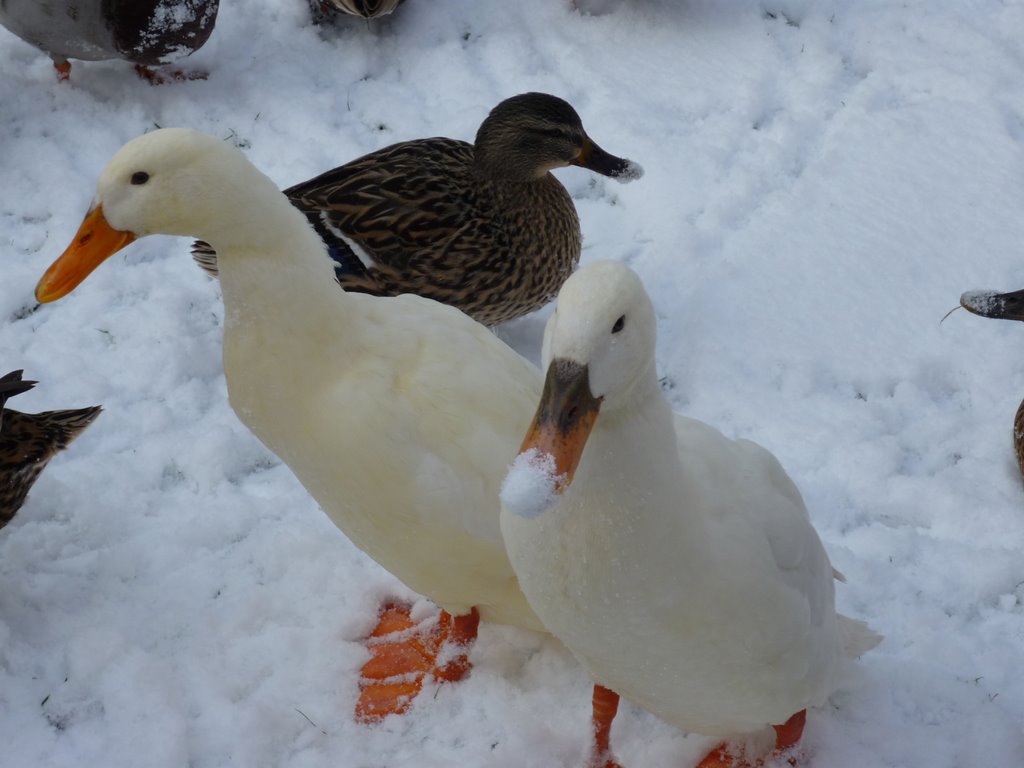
x: 397, y: 204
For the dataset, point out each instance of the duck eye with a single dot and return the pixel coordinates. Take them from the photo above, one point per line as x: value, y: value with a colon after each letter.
x: 619, y: 324
x: 140, y: 177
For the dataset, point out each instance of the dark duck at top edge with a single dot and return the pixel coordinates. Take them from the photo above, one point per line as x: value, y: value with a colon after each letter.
x: 143, y: 32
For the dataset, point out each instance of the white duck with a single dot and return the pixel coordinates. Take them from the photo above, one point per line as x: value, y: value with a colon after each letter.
x: 679, y: 566
x: 401, y: 425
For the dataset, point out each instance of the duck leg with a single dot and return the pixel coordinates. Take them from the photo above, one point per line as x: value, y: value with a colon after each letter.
x: 63, y: 67
x: 605, y: 705
x: 460, y: 640
x: 404, y: 654
x: 787, y: 736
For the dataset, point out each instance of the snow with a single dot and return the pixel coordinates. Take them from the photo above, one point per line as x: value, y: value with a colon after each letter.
x: 531, y: 485
x: 823, y: 180
x: 630, y: 172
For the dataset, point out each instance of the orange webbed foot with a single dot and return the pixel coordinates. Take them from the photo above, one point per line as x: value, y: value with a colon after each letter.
x: 405, y: 653
x: 787, y: 736
x: 63, y: 70
x: 453, y: 662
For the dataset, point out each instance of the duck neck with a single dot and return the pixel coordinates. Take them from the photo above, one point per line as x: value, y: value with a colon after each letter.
x: 273, y: 258
x: 637, y: 440
x: 281, y: 299
x: 505, y: 167
x: 637, y: 429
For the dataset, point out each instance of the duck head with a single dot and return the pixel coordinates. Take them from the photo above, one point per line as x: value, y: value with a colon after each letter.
x: 527, y: 135
x: 164, y: 182
x: 598, y: 351
x: 1003, y: 306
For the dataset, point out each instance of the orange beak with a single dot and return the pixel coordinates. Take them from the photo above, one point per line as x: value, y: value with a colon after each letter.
x: 564, y: 418
x: 94, y: 242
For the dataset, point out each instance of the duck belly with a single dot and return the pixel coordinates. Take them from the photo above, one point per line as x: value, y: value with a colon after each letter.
x: 702, y: 646
x: 410, y: 485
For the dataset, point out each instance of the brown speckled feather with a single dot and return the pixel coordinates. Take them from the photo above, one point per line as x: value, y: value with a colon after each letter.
x: 484, y: 227
x: 29, y: 440
x: 367, y: 9
x: 432, y: 227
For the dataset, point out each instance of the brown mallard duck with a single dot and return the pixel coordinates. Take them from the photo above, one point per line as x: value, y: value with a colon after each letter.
x: 144, y: 32
x: 367, y: 9
x: 484, y: 227
x: 1002, y: 306
x: 29, y: 440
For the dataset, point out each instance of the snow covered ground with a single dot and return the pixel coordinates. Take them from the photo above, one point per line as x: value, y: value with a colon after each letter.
x: 823, y: 180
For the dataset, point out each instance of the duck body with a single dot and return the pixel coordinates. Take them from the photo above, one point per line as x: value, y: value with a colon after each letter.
x: 483, y: 227
x: 406, y: 461
x: 397, y: 415
x: 737, y: 628
x: 29, y: 440
x: 1002, y: 306
x: 144, y: 32
x: 678, y: 565
x: 495, y: 233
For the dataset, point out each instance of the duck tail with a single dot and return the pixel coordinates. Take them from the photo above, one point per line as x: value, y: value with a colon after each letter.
x: 11, y: 384
x: 204, y: 255
x: 856, y: 636
x: 65, y: 426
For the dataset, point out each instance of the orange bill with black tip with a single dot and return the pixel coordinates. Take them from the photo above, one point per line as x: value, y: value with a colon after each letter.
x: 94, y: 242
x: 564, y: 418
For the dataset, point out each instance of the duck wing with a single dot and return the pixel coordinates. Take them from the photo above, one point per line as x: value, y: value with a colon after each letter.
x: 757, y: 516
x: 393, y: 204
x: 27, y: 443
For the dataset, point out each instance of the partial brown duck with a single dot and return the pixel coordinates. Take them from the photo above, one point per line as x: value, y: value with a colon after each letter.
x: 29, y: 440
x: 1002, y: 306
x: 143, y: 32
x: 484, y: 227
x: 367, y: 9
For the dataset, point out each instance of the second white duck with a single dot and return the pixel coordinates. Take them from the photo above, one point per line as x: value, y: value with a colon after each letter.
x: 679, y: 566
